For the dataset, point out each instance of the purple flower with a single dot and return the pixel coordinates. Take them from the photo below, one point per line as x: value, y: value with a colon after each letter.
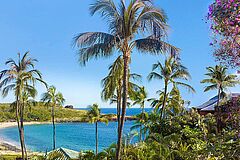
x: 210, y: 9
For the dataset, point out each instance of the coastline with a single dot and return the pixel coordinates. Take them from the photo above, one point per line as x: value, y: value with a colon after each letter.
x: 11, y: 147
x: 6, y: 146
x: 14, y: 124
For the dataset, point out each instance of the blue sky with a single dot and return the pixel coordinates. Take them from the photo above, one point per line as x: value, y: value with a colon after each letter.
x: 46, y: 28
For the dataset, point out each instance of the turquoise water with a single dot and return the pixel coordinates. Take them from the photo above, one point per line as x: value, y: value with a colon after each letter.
x: 129, y: 111
x: 76, y: 136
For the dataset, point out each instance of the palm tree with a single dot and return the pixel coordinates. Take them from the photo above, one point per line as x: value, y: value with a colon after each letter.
x: 54, y: 99
x: 20, y: 78
x: 170, y: 72
x: 140, y: 98
x: 94, y: 116
x: 112, y: 85
x: 219, y: 80
x: 125, y: 22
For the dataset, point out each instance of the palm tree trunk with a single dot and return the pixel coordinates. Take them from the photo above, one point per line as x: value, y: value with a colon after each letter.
x: 140, y: 137
x: 119, y: 98
x: 126, y: 57
x: 54, y: 129
x: 164, y: 99
x: 96, y: 137
x: 19, y: 128
x: 217, y: 111
x: 22, y: 129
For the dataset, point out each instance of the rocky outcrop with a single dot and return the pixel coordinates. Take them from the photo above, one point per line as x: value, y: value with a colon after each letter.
x: 69, y: 106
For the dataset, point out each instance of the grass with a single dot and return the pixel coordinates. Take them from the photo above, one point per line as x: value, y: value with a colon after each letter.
x: 13, y: 157
x: 42, y: 113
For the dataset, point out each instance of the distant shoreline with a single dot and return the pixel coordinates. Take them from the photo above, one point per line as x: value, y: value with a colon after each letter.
x: 14, y: 148
x: 14, y: 124
x: 8, y: 145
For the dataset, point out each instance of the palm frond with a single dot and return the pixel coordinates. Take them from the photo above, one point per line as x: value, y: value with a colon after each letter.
x: 211, y: 87
x: 187, y: 86
x: 155, y: 46
x: 154, y: 75
x: 106, y: 8
x: 91, y: 38
x: 95, y: 51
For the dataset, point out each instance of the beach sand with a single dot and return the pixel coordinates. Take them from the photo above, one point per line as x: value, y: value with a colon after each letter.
x: 7, y: 147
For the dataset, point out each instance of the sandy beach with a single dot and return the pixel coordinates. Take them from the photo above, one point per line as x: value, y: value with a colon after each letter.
x: 13, y: 124
x: 7, y: 147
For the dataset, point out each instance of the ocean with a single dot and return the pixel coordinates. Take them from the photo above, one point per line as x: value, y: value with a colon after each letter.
x: 75, y: 136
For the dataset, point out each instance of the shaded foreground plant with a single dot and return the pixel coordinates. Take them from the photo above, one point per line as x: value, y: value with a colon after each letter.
x: 218, y: 79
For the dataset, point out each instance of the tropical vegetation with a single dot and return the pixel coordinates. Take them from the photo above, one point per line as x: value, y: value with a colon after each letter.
x: 170, y: 131
x: 39, y: 112
x: 125, y: 23
x: 94, y: 116
x: 219, y: 80
x: 53, y: 99
x: 20, y: 78
x: 224, y: 18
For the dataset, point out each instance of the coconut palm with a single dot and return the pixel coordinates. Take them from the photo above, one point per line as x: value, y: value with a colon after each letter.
x: 171, y: 72
x: 27, y: 100
x: 94, y: 116
x: 125, y: 22
x: 218, y: 79
x: 140, y: 98
x: 54, y: 99
x: 112, y: 85
x: 20, y: 78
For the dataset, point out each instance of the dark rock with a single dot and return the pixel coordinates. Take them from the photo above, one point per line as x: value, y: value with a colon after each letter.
x: 69, y: 106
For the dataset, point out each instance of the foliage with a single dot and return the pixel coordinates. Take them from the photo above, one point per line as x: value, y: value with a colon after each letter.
x: 20, y: 77
x: 218, y: 79
x: 188, y: 136
x: 41, y: 113
x: 13, y: 157
x: 125, y: 22
x: 224, y: 17
x: 171, y: 72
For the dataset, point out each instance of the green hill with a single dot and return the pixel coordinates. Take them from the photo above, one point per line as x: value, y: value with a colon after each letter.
x: 41, y: 113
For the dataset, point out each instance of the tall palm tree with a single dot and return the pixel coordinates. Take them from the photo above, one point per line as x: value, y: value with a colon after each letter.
x: 53, y: 99
x: 171, y: 72
x: 218, y: 79
x: 112, y: 85
x: 20, y: 78
x: 94, y: 116
x: 125, y: 22
x: 140, y: 98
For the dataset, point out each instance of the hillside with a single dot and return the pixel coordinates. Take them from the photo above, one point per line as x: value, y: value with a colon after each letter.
x: 41, y: 113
